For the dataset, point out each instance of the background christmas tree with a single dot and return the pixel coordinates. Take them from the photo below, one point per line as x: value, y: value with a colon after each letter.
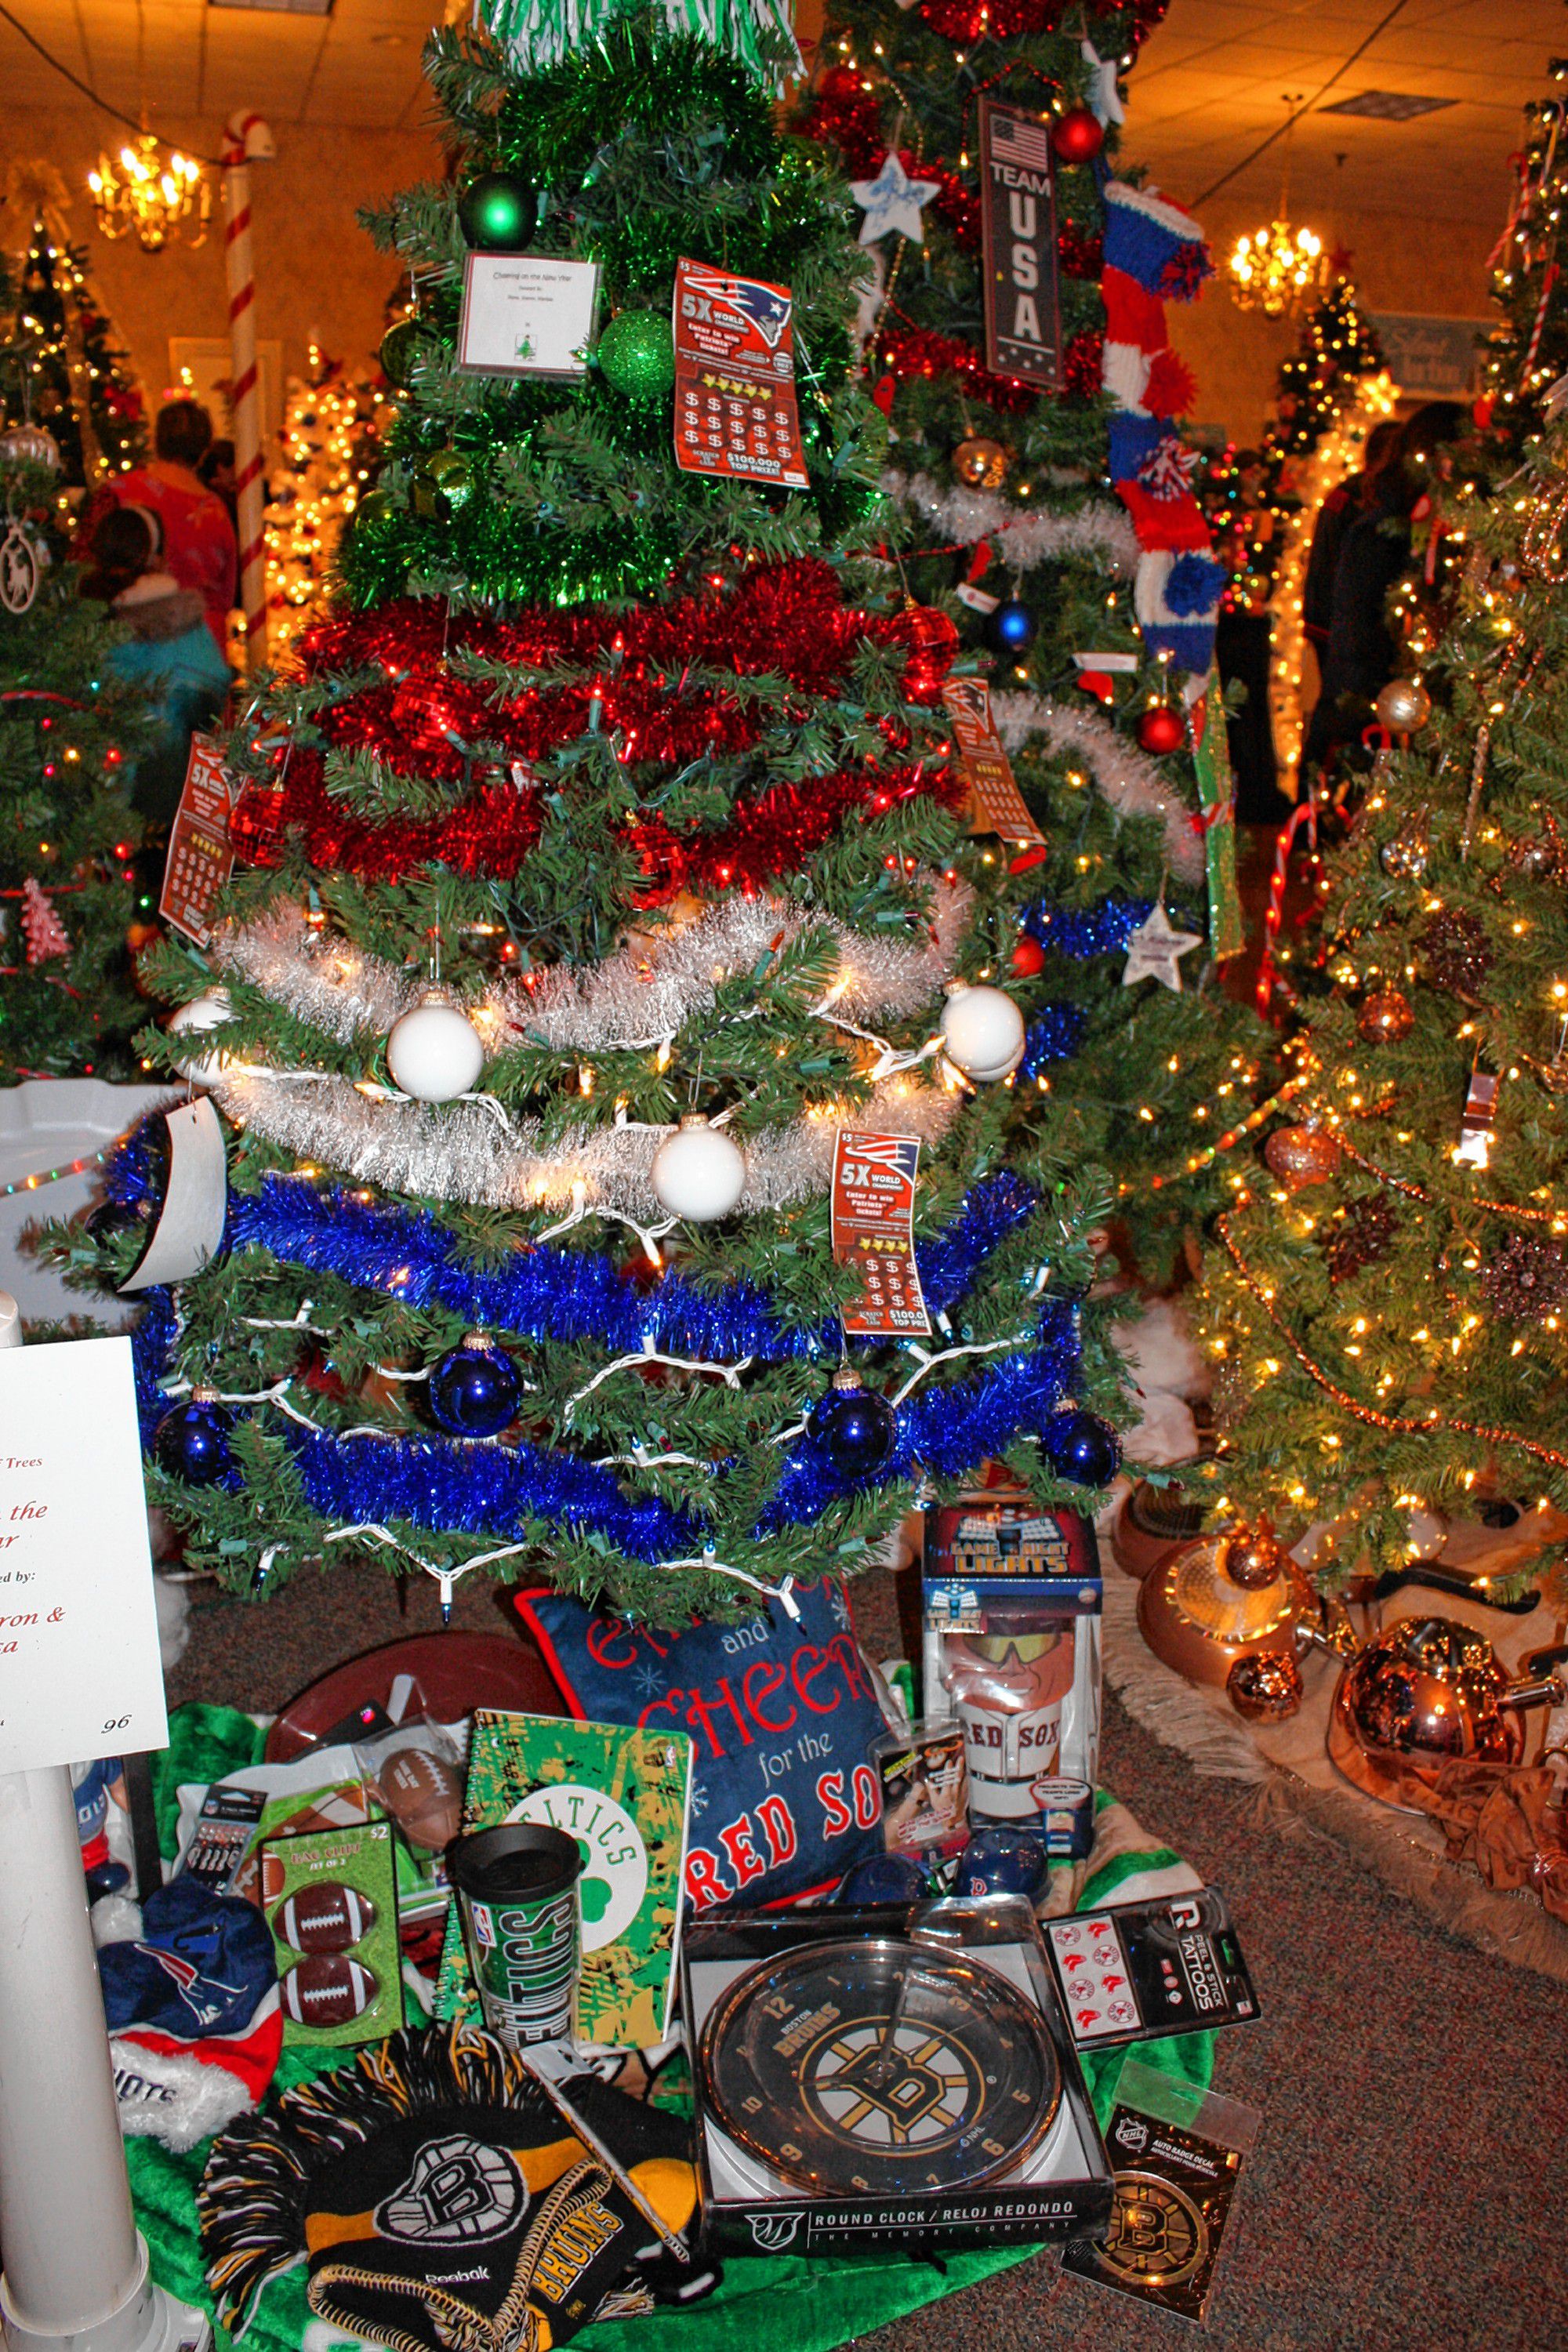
x: 1389, y: 1298
x: 1001, y: 514
x: 77, y: 380
x: 324, y: 466
x: 1527, y: 350
x: 653, y: 772
x: 68, y: 736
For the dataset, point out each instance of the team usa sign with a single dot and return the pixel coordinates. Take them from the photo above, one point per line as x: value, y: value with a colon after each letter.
x: 1023, y: 310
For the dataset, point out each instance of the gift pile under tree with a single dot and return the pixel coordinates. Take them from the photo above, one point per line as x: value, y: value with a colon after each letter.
x: 68, y: 733
x: 1093, y: 613
x: 1389, y: 1299
x: 77, y: 381
x: 604, y: 866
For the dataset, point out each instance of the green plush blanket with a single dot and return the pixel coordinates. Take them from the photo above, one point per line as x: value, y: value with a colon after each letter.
x: 812, y: 2305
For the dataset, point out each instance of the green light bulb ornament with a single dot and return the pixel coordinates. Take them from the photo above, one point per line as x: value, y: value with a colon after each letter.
x: 498, y: 214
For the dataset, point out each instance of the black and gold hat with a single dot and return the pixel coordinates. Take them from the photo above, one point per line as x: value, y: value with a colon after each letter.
x: 448, y: 2200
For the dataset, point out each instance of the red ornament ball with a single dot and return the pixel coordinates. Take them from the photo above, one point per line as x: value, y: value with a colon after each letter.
x: 933, y: 639
x: 1028, y: 957
x: 1160, y: 731
x: 1076, y: 136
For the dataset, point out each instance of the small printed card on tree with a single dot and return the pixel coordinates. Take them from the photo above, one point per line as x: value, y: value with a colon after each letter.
x: 625, y: 1796
x: 527, y: 314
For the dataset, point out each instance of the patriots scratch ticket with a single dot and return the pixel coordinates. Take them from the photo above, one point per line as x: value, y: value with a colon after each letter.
x: 873, y: 1230
x: 736, y: 416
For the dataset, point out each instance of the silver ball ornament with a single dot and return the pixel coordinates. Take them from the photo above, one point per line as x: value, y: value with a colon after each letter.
x: 698, y: 1172
x: 983, y: 1033
x: 434, y: 1053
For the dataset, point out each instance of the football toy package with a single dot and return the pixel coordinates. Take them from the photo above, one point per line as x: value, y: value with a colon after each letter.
x: 1012, y: 1598
x: 331, y: 1901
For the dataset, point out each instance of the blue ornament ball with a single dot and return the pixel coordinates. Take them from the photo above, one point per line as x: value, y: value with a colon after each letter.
x: 884, y: 1878
x: 855, y: 1426
x: 192, y: 1440
x: 476, y: 1391
x: 1003, y: 1861
x: 1013, y: 627
x: 1082, y: 1447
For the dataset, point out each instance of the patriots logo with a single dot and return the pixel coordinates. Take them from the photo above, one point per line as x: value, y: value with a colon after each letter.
x: 195, y: 1988
x: 751, y: 299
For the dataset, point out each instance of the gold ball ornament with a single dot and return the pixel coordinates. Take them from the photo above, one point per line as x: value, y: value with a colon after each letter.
x: 1301, y: 1156
x: 1403, y: 705
x: 981, y: 464
x: 1406, y: 855
x: 1386, y: 1016
x: 1265, y: 1687
x: 1253, y: 1558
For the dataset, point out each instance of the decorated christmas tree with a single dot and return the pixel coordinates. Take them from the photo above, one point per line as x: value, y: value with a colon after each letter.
x: 329, y: 433
x: 77, y: 381
x: 1527, y: 350
x: 973, y: 135
x: 603, y: 874
x: 68, y: 735
x: 1388, y: 1300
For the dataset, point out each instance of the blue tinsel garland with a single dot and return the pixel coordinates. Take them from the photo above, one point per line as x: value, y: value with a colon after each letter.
x: 455, y: 1486
x: 1084, y: 932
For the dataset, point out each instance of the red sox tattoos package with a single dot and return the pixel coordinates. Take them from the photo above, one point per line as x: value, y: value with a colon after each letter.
x: 1012, y: 1599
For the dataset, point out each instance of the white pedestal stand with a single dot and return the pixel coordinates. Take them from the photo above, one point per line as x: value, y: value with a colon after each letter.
x: 75, y: 2270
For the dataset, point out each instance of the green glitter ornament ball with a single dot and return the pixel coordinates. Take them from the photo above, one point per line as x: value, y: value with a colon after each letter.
x: 453, y: 474
x: 498, y: 214
x: 637, y: 356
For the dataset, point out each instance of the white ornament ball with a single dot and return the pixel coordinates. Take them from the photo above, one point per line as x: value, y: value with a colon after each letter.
x: 983, y: 1033
x: 698, y: 1172
x: 203, y: 1014
x: 435, y: 1053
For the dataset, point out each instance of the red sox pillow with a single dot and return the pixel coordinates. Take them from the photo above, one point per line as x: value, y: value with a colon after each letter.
x: 782, y: 1713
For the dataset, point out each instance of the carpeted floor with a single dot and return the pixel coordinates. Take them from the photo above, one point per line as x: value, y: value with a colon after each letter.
x: 1407, y: 2193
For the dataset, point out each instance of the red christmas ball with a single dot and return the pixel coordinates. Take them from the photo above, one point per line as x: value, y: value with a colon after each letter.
x: 1076, y: 136
x: 1160, y: 731
x: 1028, y: 957
x: 932, y: 640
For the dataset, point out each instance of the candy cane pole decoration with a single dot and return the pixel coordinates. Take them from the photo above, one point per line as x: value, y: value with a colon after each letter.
x: 245, y: 140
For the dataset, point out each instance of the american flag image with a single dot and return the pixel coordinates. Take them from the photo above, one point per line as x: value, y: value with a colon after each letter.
x: 1015, y: 140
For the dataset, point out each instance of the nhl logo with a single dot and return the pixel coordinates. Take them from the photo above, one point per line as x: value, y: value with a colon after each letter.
x: 773, y: 2232
x: 1131, y: 2134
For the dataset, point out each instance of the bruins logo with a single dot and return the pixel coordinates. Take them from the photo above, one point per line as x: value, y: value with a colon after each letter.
x: 459, y: 2193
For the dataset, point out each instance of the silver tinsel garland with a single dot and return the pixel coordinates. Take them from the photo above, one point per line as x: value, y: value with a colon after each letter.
x: 643, y: 995
x: 1098, y: 532
x: 469, y: 1151
x: 1126, y: 779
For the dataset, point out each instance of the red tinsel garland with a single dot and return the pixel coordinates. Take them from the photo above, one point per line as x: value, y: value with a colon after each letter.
x: 921, y: 351
x: 786, y: 622
x: 967, y: 23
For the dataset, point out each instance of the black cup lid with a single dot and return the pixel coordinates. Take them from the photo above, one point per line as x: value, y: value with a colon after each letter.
x: 521, y: 1862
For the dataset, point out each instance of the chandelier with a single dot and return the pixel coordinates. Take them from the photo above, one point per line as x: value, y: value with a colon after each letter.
x: 1272, y: 269
x: 139, y: 193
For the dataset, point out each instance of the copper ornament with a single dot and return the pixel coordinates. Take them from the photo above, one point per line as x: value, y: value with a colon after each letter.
x: 981, y: 464
x: 1197, y: 1621
x: 1406, y: 854
x: 1265, y: 1687
x: 1403, y: 705
x: 1426, y: 1689
x: 1301, y: 1156
x: 1386, y: 1017
x: 1253, y: 1559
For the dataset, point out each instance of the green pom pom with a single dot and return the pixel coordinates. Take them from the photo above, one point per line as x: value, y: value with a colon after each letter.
x: 498, y: 214
x: 637, y: 356
x: 401, y: 347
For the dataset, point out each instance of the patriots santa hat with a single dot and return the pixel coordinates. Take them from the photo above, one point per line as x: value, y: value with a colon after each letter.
x: 191, y: 2002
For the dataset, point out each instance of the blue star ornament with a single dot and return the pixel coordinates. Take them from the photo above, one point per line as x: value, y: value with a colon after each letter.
x: 892, y: 201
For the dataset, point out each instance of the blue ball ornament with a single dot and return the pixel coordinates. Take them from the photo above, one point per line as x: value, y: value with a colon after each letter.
x: 1013, y: 627
x: 884, y: 1878
x: 1003, y: 1861
x: 855, y: 1426
x: 1080, y: 1446
x: 476, y: 1391
x: 191, y: 1443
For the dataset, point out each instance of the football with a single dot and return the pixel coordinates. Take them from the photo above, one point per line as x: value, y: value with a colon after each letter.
x: 324, y: 1918
x: 424, y: 1795
x: 327, y: 1989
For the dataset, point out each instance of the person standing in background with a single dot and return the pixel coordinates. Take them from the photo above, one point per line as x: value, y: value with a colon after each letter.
x: 198, y: 545
x: 169, y: 651
x: 1339, y: 510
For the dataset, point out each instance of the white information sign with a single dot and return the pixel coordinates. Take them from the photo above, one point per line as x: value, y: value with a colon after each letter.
x: 526, y: 314
x: 80, y: 1674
